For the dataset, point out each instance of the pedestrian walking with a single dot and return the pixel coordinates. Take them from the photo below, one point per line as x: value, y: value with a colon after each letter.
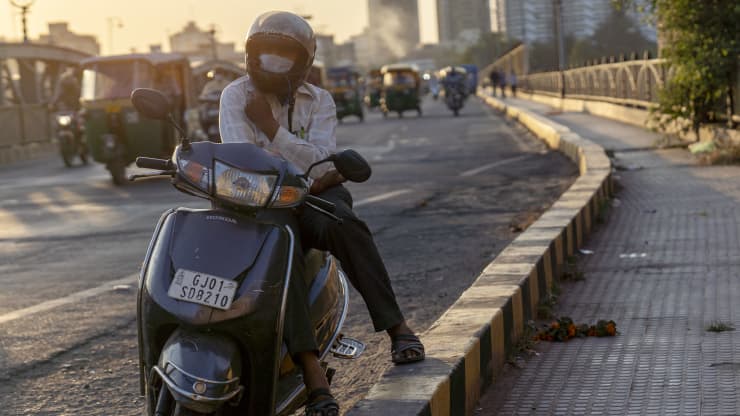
x: 493, y: 77
x: 512, y: 83
x: 502, y: 83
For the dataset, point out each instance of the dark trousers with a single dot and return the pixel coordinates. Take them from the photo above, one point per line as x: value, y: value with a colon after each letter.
x: 351, y: 242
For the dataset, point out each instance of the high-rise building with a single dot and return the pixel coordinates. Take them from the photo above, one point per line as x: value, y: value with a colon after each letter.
x: 325, y: 49
x: 525, y: 20
x: 199, y: 44
x: 60, y: 35
x: 533, y: 20
x: 462, y: 19
x: 394, y: 27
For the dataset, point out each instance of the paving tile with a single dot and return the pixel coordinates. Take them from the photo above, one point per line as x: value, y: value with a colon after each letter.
x: 666, y: 265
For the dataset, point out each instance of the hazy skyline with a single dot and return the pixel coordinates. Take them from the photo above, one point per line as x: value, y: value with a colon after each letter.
x: 151, y: 22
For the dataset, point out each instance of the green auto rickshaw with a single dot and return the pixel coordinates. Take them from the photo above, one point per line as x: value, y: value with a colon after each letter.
x: 373, y: 87
x: 345, y: 87
x: 115, y: 132
x: 401, y: 89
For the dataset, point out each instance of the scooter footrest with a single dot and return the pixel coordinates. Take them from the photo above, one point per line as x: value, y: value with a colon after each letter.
x: 347, y: 348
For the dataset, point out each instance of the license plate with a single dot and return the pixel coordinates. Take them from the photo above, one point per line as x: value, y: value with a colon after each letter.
x: 196, y: 287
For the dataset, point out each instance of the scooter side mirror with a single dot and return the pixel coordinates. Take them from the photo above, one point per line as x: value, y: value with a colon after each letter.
x: 151, y: 103
x: 352, y: 165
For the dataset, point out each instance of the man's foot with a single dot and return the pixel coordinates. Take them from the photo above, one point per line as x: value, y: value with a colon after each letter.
x: 321, y: 403
x: 405, y: 345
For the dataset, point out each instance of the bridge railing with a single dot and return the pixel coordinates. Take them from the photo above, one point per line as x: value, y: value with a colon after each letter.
x: 635, y: 83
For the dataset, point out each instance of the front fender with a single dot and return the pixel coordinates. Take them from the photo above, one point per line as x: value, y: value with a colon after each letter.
x: 201, y: 370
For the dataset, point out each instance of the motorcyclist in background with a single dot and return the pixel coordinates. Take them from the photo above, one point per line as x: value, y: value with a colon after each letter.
x: 66, y: 92
x: 209, y: 102
x: 272, y: 107
x: 216, y: 83
x: 454, y: 79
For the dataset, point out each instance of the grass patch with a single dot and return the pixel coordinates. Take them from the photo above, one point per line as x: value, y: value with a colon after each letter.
x: 546, y: 306
x: 571, y: 271
x: 525, y: 343
x: 720, y: 326
x: 725, y: 155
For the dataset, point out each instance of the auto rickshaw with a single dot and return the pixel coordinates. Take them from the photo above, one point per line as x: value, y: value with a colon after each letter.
x: 401, y: 89
x: 373, y: 87
x: 210, y: 78
x: 343, y: 82
x: 115, y: 132
x: 202, y: 72
x: 317, y: 74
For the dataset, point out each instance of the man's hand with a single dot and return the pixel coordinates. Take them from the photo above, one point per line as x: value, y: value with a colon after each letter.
x: 259, y: 112
x: 331, y: 178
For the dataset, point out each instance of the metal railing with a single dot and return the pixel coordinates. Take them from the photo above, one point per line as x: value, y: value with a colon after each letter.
x: 634, y: 83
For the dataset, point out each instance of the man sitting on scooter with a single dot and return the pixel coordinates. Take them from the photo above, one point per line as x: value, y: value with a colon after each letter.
x: 274, y: 108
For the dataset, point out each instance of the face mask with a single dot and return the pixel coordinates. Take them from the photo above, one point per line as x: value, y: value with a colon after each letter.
x: 275, y: 63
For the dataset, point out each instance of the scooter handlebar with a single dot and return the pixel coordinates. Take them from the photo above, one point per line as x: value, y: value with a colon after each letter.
x: 154, y: 163
x: 321, y: 203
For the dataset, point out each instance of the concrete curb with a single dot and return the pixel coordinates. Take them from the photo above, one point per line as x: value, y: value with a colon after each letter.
x: 467, y: 347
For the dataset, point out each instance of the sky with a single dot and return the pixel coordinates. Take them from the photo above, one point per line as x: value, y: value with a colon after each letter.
x: 146, y: 22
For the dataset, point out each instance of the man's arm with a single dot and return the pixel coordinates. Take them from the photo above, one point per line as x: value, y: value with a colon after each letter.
x: 320, y: 143
x: 232, y: 121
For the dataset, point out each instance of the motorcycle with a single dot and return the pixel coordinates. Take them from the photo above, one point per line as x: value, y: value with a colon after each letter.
x: 454, y: 98
x: 208, y: 111
x: 212, y: 296
x: 70, y: 138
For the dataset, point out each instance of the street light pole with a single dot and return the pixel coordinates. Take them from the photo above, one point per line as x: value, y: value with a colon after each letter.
x: 214, y: 51
x: 113, y: 21
x: 558, y: 16
x: 24, y: 6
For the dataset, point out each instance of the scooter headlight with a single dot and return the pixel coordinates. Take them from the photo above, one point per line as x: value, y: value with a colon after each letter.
x: 64, y: 120
x: 255, y: 189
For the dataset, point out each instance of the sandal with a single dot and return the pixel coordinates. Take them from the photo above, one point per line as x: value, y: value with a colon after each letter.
x: 406, y: 342
x: 321, y: 403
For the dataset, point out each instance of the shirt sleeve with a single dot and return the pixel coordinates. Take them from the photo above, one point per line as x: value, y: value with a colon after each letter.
x: 233, y: 123
x: 320, y: 142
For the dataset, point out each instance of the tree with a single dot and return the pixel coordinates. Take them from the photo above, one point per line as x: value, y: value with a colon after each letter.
x: 702, y: 46
x: 618, y: 34
x: 489, y: 47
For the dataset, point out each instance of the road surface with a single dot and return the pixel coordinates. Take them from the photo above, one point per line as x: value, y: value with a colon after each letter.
x: 446, y: 196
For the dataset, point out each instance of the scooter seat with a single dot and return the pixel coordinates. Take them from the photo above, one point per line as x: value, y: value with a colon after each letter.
x: 314, y: 260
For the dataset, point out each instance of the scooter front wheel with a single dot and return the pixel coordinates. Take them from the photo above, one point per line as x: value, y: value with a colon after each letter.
x: 184, y: 411
x: 68, y: 152
x: 117, y: 172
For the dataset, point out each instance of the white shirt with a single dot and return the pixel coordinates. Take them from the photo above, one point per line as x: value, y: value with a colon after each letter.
x: 314, y: 124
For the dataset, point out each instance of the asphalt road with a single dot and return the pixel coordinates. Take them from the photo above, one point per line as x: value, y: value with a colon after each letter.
x: 446, y: 196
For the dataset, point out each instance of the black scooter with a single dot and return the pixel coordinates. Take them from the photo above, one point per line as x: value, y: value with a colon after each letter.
x: 454, y: 98
x: 70, y: 138
x: 212, y: 294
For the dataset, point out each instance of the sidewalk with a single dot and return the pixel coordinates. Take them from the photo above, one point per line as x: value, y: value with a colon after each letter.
x: 665, y: 266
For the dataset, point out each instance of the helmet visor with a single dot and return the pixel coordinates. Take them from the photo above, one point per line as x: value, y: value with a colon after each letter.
x: 276, y: 54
